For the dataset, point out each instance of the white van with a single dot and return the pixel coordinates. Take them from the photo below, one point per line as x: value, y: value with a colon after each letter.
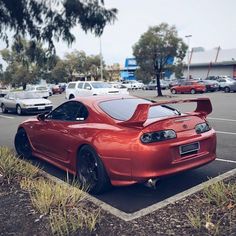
x: 90, y: 88
x: 40, y: 90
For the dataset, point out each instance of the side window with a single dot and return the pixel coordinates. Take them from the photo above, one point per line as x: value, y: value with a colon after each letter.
x: 11, y: 96
x: 71, y: 86
x: 87, y: 86
x: 80, y: 85
x: 70, y: 111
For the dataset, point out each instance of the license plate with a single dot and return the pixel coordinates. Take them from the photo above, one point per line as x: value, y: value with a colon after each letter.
x: 192, y: 147
x: 41, y: 107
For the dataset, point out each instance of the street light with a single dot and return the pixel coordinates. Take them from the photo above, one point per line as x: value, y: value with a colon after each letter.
x: 188, y: 38
x: 101, y: 64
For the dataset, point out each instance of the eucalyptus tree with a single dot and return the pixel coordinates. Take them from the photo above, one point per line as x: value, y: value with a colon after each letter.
x: 51, y: 20
x: 157, y: 49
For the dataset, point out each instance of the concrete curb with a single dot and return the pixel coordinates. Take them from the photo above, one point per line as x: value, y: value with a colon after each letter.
x: 171, y: 200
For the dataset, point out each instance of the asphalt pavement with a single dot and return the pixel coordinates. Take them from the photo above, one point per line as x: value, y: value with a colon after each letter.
x: 133, y: 198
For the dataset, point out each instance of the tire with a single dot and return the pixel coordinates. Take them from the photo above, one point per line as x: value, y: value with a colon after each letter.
x: 227, y: 90
x: 173, y: 91
x: 4, y: 110
x: 71, y: 96
x: 192, y: 91
x: 22, y: 144
x: 91, y: 171
x: 18, y: 110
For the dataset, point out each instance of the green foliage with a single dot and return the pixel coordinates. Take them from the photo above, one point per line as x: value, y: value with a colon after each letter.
x: 46, y: 21
x: 27, y: 62
x: 155, y: 47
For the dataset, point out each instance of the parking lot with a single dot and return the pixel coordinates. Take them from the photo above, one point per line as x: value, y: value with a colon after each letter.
x: 138, y: 197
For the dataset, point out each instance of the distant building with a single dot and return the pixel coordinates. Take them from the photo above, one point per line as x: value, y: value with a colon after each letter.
x: 215, y: 62
x: 127, y: 73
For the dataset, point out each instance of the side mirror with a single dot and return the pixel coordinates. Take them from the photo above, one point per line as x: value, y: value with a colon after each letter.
x: 41, y: 117
x: 88, y: 88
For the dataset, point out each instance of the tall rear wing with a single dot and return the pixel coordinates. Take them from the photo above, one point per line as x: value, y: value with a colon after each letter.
x: 140, y: 115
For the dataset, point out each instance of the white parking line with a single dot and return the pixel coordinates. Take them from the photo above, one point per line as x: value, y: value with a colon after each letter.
x: 225, y: 160
x: 7, y: 117
x: 221, y: 119
x: 222, y: 132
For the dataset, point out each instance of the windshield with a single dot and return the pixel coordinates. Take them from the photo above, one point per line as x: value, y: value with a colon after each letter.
x: 26, y: 95
x: 123, y: 109
x: 101, y: 85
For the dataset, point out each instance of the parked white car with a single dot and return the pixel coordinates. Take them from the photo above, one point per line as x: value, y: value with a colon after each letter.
x: 132, y: 84
x: 90, y: 88
x: 40, y: 90
x: 24, y: 102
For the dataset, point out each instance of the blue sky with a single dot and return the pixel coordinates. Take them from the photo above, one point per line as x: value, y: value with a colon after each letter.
x: 210, y: 22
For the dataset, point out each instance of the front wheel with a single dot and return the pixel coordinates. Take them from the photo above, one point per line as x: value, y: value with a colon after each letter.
x: 173, y: 91
x: 227, y: 89
x: 18, y: 110
x: 91, y: 171
x: 192, y: 91
x: 22, y: 144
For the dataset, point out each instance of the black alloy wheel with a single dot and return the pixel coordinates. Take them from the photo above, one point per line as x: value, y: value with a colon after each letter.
x: 91, y: 171
x: 22, y: 144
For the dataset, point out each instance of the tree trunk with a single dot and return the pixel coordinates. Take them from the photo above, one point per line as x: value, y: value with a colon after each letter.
x: 159, y: 92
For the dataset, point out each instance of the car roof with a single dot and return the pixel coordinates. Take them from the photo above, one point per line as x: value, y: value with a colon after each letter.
x: 91, y: 100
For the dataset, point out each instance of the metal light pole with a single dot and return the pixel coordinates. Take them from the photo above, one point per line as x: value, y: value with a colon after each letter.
x: 188, y: 38
x: 101, y: 65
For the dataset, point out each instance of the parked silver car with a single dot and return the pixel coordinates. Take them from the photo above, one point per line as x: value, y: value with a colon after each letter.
x: 24, y: 102
x: 227, y: 84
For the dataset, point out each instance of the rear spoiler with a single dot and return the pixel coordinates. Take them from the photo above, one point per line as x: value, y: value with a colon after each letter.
x: 140, y: 115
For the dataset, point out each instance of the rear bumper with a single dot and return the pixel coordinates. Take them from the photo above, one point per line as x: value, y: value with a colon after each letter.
x: 158, y: 160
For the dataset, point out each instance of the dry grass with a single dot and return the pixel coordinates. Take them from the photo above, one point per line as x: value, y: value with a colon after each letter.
x: 62, y: 203
x: 12, y: 167
x: 218, y: 198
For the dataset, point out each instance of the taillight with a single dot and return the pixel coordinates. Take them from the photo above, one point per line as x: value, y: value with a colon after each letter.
x: 158, y: 136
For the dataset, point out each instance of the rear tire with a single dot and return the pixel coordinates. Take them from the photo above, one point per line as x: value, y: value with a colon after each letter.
x: 91, y: 172
x: 4, y: 110
x: 227, y: 90
x: 173, y: 91
x: 71, y: 96
x: 192, y: 91
x: 22, y: 144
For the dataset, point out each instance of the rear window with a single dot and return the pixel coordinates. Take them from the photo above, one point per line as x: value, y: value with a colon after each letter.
x: 123, y: 109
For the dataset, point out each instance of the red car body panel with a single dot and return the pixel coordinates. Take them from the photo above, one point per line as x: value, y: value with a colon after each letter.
x: 126, y: 159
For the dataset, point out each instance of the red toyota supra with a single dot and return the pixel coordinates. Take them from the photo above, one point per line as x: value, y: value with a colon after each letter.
x: 120, y: 140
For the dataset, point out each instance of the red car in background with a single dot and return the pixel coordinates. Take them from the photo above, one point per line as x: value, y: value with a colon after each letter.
x: 189, y: 87
x: 119, y: 140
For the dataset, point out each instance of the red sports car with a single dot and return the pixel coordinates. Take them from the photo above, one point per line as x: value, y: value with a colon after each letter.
x: 119, y: 140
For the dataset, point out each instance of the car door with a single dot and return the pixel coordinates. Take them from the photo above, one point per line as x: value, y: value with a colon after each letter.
x: 54, y: 137
x: 222, y: 83
x: 88, y: 89
x: 9, y: 101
